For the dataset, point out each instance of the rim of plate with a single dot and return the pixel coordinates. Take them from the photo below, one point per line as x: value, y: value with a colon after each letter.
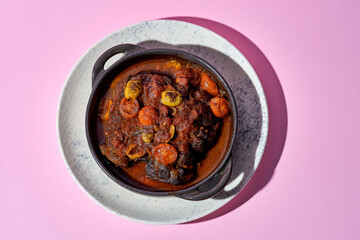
x: 259, y: 152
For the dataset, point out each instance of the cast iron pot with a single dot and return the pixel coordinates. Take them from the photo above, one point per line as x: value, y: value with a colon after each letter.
x: 101, y: 80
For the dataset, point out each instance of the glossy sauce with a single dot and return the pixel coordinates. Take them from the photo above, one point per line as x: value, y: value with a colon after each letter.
x: 210, y: 159
x: 207, y: 165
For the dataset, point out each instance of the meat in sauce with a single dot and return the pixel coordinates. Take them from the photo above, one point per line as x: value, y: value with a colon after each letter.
x: 165, y: 118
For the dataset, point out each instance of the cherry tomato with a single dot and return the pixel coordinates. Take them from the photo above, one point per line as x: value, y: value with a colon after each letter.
x: 129, y: 107
x: 220, y: 107
x: 208, y: 84
x: 165, y: 153
x: 147, y: 115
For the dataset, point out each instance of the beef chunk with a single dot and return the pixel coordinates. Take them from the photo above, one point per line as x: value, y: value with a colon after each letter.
x: 168, y: 174
x: 197, y: 144
x: 192, y: 78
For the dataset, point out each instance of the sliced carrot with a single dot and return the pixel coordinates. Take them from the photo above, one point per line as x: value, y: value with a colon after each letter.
x: 165, y: 153
x: 147, y: 115
x: 129, y: 107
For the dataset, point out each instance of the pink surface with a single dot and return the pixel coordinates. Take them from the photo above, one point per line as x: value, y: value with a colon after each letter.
x: 307, y: 56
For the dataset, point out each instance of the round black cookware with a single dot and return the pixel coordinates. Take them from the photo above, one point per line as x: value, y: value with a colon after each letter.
x: 101, y: 80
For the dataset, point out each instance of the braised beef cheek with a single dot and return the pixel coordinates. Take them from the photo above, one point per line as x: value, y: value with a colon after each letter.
x: 162, y: 119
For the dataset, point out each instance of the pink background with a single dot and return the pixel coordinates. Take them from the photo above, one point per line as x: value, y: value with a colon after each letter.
x: 307, y: 56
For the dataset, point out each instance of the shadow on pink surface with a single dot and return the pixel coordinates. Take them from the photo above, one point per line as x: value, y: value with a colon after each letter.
x: 277, y: 112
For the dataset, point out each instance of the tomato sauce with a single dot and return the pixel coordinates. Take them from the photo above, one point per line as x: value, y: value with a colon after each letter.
x: 161, y: 105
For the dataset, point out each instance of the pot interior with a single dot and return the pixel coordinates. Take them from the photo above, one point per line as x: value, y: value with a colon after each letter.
x: 95, y: 131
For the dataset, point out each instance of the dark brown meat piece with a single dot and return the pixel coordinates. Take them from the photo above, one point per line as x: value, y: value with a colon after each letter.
x: 196, y: 120
x: 185, y: 79
x: 167, y: 174
x: 192, y: 78
x: 153, y: 86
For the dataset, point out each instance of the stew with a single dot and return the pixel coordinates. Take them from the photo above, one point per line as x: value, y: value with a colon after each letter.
x: 166, y: 123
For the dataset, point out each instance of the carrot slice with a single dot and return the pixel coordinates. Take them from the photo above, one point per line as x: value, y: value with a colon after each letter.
x: 147, y: 115
x: 129, y: 107
x: 165, y: 153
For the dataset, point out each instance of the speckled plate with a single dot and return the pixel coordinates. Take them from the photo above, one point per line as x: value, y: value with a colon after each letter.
x: 251, y: 135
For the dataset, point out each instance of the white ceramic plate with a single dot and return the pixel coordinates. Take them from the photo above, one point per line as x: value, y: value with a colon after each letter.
x: 251, y: 136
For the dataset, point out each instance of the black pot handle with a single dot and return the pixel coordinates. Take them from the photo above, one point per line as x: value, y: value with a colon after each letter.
x: 98, y: 69
x: 212, y: 186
